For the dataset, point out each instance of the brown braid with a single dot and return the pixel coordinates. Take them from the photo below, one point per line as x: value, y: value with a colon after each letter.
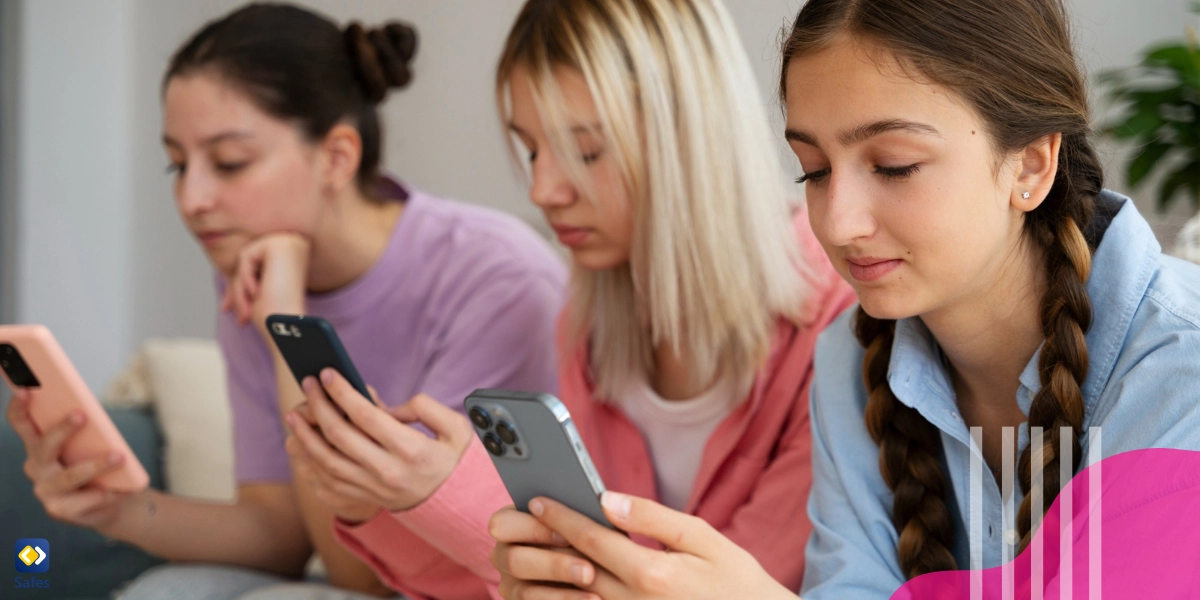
x: 1012, y: 62
x: 909, y: 447
x: 1066, y: 316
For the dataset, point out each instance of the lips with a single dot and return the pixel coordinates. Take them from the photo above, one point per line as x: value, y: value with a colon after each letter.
x: 571, y: 237
x: 869, y: 268
x: 208, y: 238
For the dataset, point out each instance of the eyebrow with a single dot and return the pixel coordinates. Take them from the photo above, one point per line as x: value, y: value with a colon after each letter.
x: 577, y: 129
x: 220, y: 137
x: 864, y: 132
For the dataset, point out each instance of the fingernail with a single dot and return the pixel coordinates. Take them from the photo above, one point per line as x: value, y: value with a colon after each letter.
x: 580, y: 574
x: 307, y: 384
x: 617, y: 504
x: 291, y: 420
x: 76, y: 418
x: 114, y: 458
x: 327, y: 376
x: 558, y: 539
x: 536, y: 507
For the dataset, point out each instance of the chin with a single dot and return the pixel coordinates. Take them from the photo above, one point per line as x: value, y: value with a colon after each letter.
x: 886, y: 305
x: 595, y: 259
x: 223, y: 261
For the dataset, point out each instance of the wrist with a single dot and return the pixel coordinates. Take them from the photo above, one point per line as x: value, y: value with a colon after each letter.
x: 296, y: 306
x: 354, y: 520
x: 135, y: 516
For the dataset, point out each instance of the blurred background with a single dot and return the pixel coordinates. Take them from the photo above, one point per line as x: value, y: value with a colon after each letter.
x: 90, y: 242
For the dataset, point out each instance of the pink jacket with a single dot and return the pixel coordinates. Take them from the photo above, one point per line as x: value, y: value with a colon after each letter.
x: 752, y: 485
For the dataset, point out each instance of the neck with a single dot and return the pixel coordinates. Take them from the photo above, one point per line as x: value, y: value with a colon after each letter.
x: 990, y: 335
x: 350, y: 238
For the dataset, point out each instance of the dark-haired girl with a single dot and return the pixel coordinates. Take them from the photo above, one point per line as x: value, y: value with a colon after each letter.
x: 950, y: 179
x: 274, y: 140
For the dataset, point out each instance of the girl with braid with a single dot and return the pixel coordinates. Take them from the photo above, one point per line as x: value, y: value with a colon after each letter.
x: 950, y: 179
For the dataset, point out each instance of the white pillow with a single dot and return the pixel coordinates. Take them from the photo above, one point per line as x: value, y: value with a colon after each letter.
x: 187, y: 381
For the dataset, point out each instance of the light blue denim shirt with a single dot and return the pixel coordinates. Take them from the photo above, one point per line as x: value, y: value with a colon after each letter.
x: 1142, y: 388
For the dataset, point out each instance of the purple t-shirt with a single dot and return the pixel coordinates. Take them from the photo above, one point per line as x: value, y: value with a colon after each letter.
x: 463, y: 297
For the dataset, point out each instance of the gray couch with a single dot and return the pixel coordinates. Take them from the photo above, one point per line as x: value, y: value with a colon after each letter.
x: 83, y: 563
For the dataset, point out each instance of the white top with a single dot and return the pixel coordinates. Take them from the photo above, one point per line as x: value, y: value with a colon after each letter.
x: 676, y: 432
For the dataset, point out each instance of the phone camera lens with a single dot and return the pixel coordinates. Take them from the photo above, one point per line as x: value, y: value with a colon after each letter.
x: 493, y: 444
x: 480, y: 418
x: 506, y: 433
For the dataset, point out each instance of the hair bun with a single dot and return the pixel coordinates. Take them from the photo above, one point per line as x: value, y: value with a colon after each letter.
x: 381, y: 56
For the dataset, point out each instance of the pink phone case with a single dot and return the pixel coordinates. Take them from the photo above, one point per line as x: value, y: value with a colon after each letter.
x: 63, y: 391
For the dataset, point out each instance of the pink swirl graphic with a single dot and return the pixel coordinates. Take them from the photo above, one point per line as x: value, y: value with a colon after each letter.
x: 1147, y: 514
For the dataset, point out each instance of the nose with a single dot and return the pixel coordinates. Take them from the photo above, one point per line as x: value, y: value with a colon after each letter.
x: 551, y: 186
x: 846, y: 213
x: 195, y: 193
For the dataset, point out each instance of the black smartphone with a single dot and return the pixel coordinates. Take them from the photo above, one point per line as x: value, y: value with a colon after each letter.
x: 536, y: 449
x: 309, y: 344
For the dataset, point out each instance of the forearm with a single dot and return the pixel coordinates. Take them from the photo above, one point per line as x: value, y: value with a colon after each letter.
x: 344, y: 569
x: 186, y: 530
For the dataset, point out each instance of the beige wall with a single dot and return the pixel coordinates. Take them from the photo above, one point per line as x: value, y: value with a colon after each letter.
x: 102, y: 257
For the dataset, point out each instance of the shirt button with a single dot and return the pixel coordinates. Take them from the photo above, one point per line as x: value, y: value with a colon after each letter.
x: 1010, y: 536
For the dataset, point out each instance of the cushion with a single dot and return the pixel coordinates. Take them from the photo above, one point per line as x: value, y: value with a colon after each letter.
x: 187, y: 379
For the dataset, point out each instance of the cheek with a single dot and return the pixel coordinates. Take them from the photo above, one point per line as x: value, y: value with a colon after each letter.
x: 279, y: 195
x: 614, y: 208
x: 953, y: 230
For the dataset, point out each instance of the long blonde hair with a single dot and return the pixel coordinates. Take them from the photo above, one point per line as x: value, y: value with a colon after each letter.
x: 714, y: 261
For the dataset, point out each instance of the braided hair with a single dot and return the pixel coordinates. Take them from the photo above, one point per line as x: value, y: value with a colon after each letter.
x: 1012, y: 61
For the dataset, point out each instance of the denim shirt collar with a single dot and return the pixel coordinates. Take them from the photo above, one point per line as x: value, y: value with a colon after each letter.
x: 1124, y: 263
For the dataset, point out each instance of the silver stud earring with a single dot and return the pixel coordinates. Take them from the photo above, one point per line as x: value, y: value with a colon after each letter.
x: 1025, y: 195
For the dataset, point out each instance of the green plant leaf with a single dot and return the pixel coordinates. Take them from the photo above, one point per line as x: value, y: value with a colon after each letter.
x: 1144, y: 162
x: 1138, y: 122
x: 1170, y: 186
x: 1151, y: 100
x: 1181, y: 59
x: 1187, y: 176
x: 1113, y: 78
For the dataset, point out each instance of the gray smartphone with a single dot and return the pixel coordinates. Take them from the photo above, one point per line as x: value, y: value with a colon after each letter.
x: 536, y: 449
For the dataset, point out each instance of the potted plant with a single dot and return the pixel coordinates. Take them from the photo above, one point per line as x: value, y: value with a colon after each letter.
x: 1158, y: 103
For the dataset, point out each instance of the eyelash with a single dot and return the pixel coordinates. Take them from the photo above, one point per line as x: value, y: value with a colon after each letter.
x: 815, y: 176
x: 587, y: 158
x: 889, y: 173
x: 230, y: 168
x: 178, y: 169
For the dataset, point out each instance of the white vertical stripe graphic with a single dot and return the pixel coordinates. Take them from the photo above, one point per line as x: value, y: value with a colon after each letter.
x: 1095, y: 516
x: 976, y: 510
x: 1037, y: 561
x: 1065, y: 510
x: 1008, y: 543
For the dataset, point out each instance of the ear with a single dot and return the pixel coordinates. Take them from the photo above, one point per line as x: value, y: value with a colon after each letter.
x: 342, y: 153
x: 1035, y: 170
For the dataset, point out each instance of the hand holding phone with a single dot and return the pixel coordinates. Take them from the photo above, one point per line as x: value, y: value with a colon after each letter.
x: 36, y: 367
x: 536, y: 449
